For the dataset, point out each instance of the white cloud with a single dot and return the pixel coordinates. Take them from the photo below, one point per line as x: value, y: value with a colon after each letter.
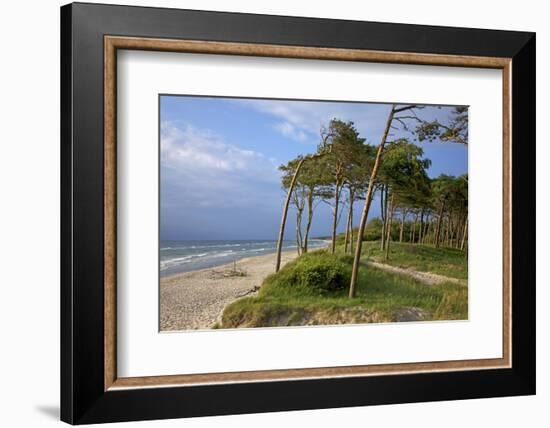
x: 198, y: 168
x: 290, y: 131
x: 203, y: 150
x: 302, y: 121
x: 304, y: 116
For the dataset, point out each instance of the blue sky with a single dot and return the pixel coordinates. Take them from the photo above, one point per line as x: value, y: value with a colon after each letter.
x: 219, y: 160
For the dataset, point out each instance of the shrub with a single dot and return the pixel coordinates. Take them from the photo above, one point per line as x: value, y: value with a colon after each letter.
x: 316, y: 273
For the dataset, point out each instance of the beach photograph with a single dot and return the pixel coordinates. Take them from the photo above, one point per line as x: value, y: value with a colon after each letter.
x: 293, y: 213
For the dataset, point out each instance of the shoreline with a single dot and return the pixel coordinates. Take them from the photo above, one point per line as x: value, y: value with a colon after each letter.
x: 195, y: 299
x: 226, y: 264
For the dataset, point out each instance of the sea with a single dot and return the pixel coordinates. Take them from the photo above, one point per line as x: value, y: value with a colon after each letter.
x: 185, y: 256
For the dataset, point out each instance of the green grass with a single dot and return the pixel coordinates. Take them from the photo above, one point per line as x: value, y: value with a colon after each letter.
x: 313, y: 290
x: 424, y: 258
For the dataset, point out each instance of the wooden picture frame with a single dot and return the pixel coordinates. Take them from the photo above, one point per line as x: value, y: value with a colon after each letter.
x: 91, y: 390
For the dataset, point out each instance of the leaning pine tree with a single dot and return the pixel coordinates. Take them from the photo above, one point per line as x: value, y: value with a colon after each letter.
x: 368, y: 197
x: 285, y: 212
x: 323, y: 150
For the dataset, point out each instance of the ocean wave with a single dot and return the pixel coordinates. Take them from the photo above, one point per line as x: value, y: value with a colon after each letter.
x: 179, y: 260
x: 181, y: 256
x: 195, y: 247
x: 247, y: 246
x: 224, y: 254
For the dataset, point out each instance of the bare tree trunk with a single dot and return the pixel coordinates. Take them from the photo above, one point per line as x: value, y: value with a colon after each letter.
x: 368, y: 200
x: 464, y: 234
x: 309, y: 218
x: 425, y: 237
x: 450, y: 231
x: 456, y: 233
x: 425, y: 231
x: 446, y: 228
x: 459, y: 227
x: 388, y: 237
x: 335, y: 218
x: 299, y: 230
x: 346, y: 239
x: 438, y: 227
x: 413, y: 231
x: 460, y: 230
x: 383, y: 214
x: 402, y: 226
x: 349, y: 226
x: 445, y: 232
x: 285, y: 212
x: 421, y: 229
x: 433, y: 226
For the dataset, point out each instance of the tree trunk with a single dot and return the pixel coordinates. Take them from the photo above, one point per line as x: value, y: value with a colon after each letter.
x: 459, y: 227
x: 447, y: 229
x: 450, y: 233
x: 335, y: 218
x: 383, y: 214
x: 349, y: 224
x: 426, y: 238
x: 388, y: 237
x: 366, y: 207
x: 429, y: 221
x: 420, y: 229
x: 464, y: 233
x: 285, y: 212
x: 413, y: 231
x: 460, y: 230
x: 438, y: 227
x: 346, y: 239
x: 299, y: 230
x: 402, y: 226
x: 454, y: 234
x: 425, y: 235
x: 309, y: 218
x: 446, y: 234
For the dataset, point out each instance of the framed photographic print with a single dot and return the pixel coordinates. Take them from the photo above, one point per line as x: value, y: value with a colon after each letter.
x: 266, y: 213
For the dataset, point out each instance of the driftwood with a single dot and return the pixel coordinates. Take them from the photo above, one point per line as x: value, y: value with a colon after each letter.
x: 251, y: 291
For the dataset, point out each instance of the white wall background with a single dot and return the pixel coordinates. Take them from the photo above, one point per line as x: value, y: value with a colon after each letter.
x: 29, y: 214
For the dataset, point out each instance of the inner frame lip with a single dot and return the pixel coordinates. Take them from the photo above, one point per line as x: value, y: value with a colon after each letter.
x: 113, y: 43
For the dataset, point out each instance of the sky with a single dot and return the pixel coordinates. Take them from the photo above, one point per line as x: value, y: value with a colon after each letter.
x: 219, y: 160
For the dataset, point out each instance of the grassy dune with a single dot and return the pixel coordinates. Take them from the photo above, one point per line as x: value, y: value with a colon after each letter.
x: 312, y: 290
x: 425, y: 258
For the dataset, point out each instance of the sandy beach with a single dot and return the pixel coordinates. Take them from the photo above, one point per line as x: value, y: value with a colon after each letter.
x: 195, y: 300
